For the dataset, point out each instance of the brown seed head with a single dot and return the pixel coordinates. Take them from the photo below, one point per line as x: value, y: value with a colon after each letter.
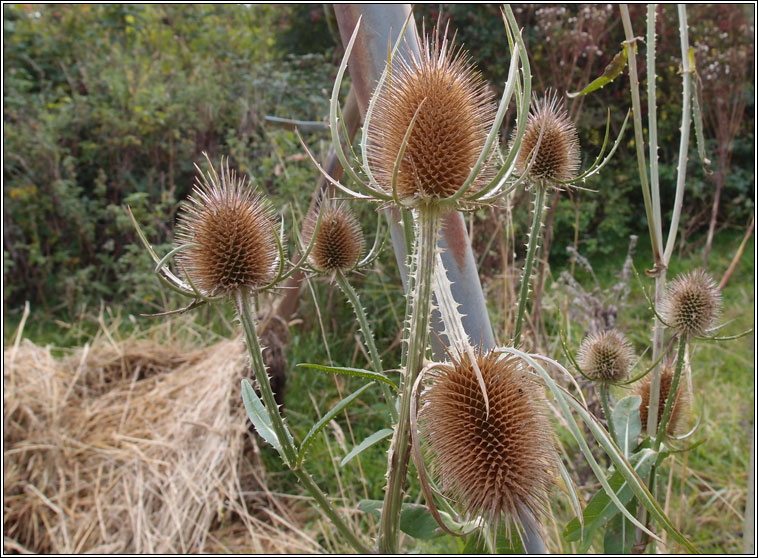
x: 692, y: 303
x: 557, y: 158
x: 681, y: 403
x: 232, y: 231
x: 491, y: 464
x: 339, y: 240
x: 449, y: 133
x: 606, y: 356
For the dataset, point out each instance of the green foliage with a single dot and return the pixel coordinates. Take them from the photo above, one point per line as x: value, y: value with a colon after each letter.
x: 110, y: 105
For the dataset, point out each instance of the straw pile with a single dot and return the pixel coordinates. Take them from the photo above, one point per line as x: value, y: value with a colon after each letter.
x: 135, y: 447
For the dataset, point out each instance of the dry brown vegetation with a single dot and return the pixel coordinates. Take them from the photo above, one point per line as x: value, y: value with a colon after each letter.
x: 136, y: 446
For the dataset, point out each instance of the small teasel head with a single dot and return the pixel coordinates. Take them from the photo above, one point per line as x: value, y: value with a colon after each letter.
x: 454, y: 112
x: 553, y: 136
x: 606, y: 357
x: 338, y: 244
x: 490, y: 463
x: 681, y: 406
x: 229, y: 232
x: 692, y: 303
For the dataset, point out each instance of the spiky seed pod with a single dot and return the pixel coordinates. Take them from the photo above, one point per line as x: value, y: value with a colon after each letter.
x: 606, y: 357
x: 339, y: 240
x: 681, y: 403
x: 449, y: 133
x: 503, y: 462
x: 692, y: 303
x: 231, y: 230
x: 557, y: 158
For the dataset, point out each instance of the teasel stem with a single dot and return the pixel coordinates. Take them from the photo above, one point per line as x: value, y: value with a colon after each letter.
x: 368, y: 335
x: 244, y: 310
x: 420, y: 288
x: 671, y: 398
x: 603, y: 391
x: 534, y: 236
x: 242, y: 300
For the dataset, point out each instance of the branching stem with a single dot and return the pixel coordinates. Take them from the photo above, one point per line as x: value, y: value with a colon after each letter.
x: 242, y: 300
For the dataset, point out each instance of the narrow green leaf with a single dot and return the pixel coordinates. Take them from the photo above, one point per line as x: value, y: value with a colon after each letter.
x: 697, y: 114
x: 611, y: 72
x: 365, y: 444
x: 376, y: 376
x: 319, y: 426
x: 626, y: 420
x: 600, y: 508
x: 258, y: 415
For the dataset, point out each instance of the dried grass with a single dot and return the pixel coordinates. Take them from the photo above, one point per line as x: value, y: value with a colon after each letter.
x: 138, y: 446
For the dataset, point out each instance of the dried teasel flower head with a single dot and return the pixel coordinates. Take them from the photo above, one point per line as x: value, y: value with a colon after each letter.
x: 692, y: 303
x: 606, y: 357
x: 557, y: 158
x: 450, y: 130
x: 229, y: 232
x: 501, y: 462
x: 339, y: 241
x: 681, y: 404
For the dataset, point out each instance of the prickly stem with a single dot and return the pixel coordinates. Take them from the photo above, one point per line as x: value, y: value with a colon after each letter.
x: 534, y: 237
x: 414, y: 350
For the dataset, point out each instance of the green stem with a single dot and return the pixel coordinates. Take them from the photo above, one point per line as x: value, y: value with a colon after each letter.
x: 376, y: 361
x: 534, y: 237
x: 242, y: 300
x: 603, y: 391
x: 428, y: 222
x: 653, y: 225
x: 671, y: 398
x: 331, y: 513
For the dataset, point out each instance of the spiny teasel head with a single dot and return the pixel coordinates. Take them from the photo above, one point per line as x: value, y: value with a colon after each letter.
x: 681, y: 404
x: 557, y: 158
x: 339, y: 241
x: 450, y: 130
x: 230, y: 232
x: 606, y: 357
x: 692, y: 303
x: 501, y: 462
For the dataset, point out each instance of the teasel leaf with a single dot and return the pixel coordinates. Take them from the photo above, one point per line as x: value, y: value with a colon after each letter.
x: 566, y: 402
x: 259, y: 417
x: 319, y: 426
x: 376, y: 376
x: 375, y: 438
x: 600, y: 508
x: 611, y: 72
x: 626, y: 419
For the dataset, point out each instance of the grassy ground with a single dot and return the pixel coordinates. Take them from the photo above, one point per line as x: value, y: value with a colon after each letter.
x: 703, y: 489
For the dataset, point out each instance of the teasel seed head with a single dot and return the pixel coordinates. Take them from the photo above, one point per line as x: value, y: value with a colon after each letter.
x: 449, y: 133
x: 231, y: 232
x: 606, y: 357
x: 339, y: 241
x: 501, y: 462
x: 681, y: 404
x: 692, y: 303
x: 557, y: 158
